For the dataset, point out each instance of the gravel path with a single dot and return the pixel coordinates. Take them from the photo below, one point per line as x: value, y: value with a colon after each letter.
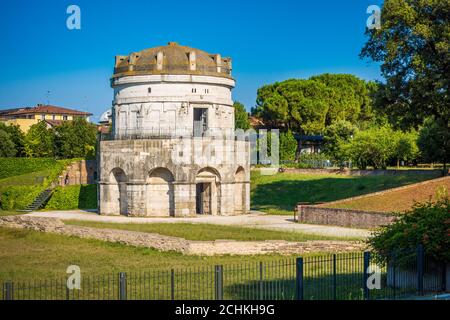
x: 254, y: 220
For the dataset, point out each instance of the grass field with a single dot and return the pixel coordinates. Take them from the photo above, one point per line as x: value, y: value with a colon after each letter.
x: 399, y: 201
x: 10, y: 213
x: 207, y: 232
x: 29, y: 255
x: 279, y: 193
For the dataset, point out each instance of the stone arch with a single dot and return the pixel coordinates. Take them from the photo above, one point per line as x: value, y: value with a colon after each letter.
x: 239, y: 191
x: 208, y: 191
x: 160, y: 192
x: 118, y: 189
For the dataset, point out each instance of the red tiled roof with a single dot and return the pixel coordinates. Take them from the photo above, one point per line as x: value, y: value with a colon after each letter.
x: 54, y: 123
x: 49, y: 109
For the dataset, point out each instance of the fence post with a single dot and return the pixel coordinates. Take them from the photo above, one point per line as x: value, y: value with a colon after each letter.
x: 334, y: 278
x: 218, y: 282
x: 122, y: 286
x: 444, y: 277
x: 8, y: 291
x: 366, y: 275
x: 261, y: 283
x: 299, y: 279
x: 420, y: 269
x: 172, y: 284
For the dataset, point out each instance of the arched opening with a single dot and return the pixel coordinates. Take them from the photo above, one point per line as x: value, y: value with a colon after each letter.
x: 239, y: 191
x: 118, y: 190
x: 207, y: 197
x: 160, y: 193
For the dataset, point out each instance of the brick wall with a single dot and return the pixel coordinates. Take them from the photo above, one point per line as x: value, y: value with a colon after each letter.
x: 343, y: 217
x: 79, y: 172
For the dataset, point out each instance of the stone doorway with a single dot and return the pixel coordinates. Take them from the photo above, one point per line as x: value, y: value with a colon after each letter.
x: 203, y: 198
x: 207, y: 192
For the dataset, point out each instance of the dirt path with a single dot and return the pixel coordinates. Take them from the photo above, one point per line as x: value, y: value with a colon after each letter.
x: 255, y: 220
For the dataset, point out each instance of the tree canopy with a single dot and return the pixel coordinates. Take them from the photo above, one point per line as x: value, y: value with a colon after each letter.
x: 413, y: 47
x: 240, y: 116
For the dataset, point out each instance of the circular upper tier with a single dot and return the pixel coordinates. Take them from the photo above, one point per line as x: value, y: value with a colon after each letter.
x: 172, y: 59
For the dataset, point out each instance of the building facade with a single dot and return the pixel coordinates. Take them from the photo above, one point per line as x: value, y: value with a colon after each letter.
x: 28, y: 116
x: 172, y: 150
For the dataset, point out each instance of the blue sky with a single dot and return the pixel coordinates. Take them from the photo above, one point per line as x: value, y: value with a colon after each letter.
x: 268, y: 41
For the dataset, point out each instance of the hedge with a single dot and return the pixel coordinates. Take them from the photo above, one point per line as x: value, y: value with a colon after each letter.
x: 73, y: 197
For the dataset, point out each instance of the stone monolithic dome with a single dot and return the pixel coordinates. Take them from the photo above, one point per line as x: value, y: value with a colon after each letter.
x: 172, y: 150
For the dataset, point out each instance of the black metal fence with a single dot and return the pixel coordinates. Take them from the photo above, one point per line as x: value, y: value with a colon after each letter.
x: 349, y: 276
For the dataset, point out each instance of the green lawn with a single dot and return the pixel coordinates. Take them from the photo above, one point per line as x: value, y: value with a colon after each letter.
x: 28, y: 255
x: 10, y: 213
x: 279, y: 193
x: 207, y: 232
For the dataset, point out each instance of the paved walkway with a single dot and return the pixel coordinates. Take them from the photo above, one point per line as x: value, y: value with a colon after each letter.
x: 254, y: 220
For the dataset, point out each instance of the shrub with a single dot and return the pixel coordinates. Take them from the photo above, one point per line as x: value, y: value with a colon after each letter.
x: 73, y: 197
x: 427, y: 224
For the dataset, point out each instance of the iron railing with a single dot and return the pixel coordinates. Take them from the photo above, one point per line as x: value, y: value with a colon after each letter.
x: 345, y: 276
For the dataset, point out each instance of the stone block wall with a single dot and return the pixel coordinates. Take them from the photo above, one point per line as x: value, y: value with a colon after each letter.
x: 343, y: 217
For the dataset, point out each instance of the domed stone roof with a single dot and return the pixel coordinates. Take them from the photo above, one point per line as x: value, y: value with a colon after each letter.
x: 172, y: 59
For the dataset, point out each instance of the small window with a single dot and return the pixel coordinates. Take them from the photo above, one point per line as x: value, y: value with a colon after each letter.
x: 64, y: 117
x: 206, y: 90
x: 149, y: 90
x: 42, y: 116
x: 194, y: 90
x: 53, y: 117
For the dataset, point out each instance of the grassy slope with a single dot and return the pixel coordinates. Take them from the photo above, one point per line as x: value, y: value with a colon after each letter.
x: 10, y: 167
x: 401, y: 200
x: 279, y: 193
x: 73, y: 197
x: 27, y: 255
x: 208, y: 231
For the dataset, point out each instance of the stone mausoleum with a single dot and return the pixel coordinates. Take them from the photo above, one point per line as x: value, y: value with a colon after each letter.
x: 172, y: 150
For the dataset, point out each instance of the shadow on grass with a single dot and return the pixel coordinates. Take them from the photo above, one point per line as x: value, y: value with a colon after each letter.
x: 284, y: 194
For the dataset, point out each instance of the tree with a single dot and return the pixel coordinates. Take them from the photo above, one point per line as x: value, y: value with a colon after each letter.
x: 336, y: 137
x: 372, y: 147
x: 434, y: 141
x: 413, y: 46
x: 288, y: 145
x: 40, y: 141
x: 240, y: 116
x: 309, y: 106
x: 7, y: 146
x: 406, y: 148
x: 17, y: 137
x: 76, y: 139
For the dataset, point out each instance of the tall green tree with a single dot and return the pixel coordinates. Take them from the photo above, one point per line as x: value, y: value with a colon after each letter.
x: 372, y: 147
x: 240, y: 116
x: 40, y: 141
x: 17, y: 137
x: 309, y: 106
x: 336, y: 136
x: 405, y: 148
x: 413, y: 48
x: 76, y: 139
x: 434, y: 142
x: 288, y: 145
x: 7, y: 146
